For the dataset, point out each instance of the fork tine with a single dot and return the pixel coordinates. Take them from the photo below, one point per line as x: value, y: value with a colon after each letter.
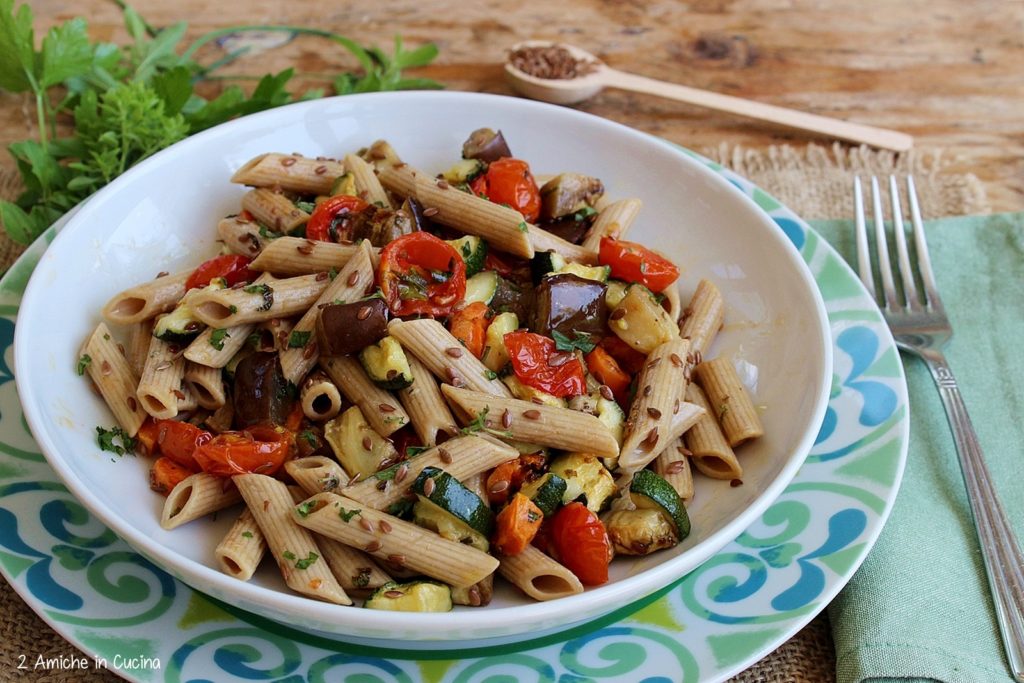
x: 884, y: 267
x: 902, y: 256
x: 863, y: 253
x: 924, y: 262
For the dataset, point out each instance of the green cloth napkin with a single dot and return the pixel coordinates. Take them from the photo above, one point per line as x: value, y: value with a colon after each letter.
x: 919, y: 608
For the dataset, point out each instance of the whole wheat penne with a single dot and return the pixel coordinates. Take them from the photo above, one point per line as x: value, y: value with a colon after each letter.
x: 380, y: 408
x: 159, y: 390
x: 529, y: 422
x: 348, y: 286
x: 461, y: 457
x: 710, y: 452
x: 273, y: 210
x: 614, y: 220
x: 381, y: 155
x: 702, y: 317
x: 290, y: 172
x: 539, y: 576
x: 445, y: 356
x: 673, y: 464
x: 216, y: 346
x: 197, y: 496
x: 659, y: 386
x: 240, y: 551
x: 356, y: 571
x: 206, y: 384
x: 297, y: 256
x: 675, y: 306
x: 503, y: 227
x: 684, y: 416
x: 316, y: 473
x: 399, y: 542
x: 110, y: 372
x: 292, y: 546
x: 730, y: 403
x: 138, y: 344
x: 241, y: 236
x: 426, y: 406
x: 146, y: 300
x: 367, y: 184
x: 257, y: 302
x: 319, y: 397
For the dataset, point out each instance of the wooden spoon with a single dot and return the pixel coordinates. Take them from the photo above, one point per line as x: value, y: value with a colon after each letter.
x: 573, y: 90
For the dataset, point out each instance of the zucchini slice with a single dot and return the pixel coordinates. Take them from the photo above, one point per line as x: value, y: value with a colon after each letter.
x: 451, y: 509
x: 495, y: 355
x: 386, y: 364
x: 413, y: 596
x: 473, y: 251
x: 640, y: 531
x: 344, y: 184
x: 546, y: 492
x: 464, y: 171
x: 349, y: 434
x: 180, y: 326
x: 481, y: 287
x: 599, y: 273
x: 545, y: 262
x: 585, y: 475
x: 615, y: 293
x: 650, y: 492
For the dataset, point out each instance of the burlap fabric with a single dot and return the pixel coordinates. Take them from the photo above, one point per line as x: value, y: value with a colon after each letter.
x: 814, y: 181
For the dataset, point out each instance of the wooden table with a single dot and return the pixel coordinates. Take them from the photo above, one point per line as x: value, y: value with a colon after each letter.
x: 946, y: 71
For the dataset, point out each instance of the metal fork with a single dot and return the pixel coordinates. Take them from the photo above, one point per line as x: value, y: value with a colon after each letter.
x: 920, y: 327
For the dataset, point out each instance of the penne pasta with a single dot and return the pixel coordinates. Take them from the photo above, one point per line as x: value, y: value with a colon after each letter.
x: 538, y: 575
x: 160, y: 389
x: 206, y: 384
x: 216, y: 346
x: 319, y: 397
x: 140, y: 302
x: 367, y: 183
x: 675, y: 306
x: 316, y: 473
x: 273, y: 210
x: 673, y: 464
x: 729, y: 401
x: 290, y: 172
x: 241, y: 235
x: 702, y: 317
x: 241, y: 550
x: 710, y: 452
x: 110, y: 372
x: 395, y: 541
x: 287, y: 256
x: 529, y: 422
x: 426, y: 407
x: 258, y: 302
x: 445, y: 356
x: 138, y: 344
x: 197, y: 496
x: 613, y: 221
x: 356, y: 571
x: 380, y: 408
x: 292, y: 546
x: 461, y: 457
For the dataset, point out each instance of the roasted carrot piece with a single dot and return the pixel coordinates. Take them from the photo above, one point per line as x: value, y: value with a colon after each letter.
x: 607, y: 371
x: 499, y: 482
x: 469, y: 326
x: 147, y: 436
x: 516, y: 525
x: 165, y: 474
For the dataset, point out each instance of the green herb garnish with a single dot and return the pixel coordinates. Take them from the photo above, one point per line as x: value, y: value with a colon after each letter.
x: 347, y: 515
x: 108, y: 440
x: 305, y: 563
x: 247, y: 534
x: 579, y: 340
x: 309, y: 436
x: 266, y: 291
x: 83, y: 363
x: 217, y: 338
x: 297, y: 340
x: 288, y: 555
x: 305, y: 507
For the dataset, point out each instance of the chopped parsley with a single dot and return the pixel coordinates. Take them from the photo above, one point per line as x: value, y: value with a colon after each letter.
x: 288, y: 555
x: 309, y: 436
x: 297, y: 339
x: 584, y: 213
x: 267, y: 233
x: 247, y: 534
x: 115, y: 440
x: 305, y: 206
x: 332, y: 273
x: 232, y: 309
x: 522, y: 226
x: 362, y: 579
x: 305, y: 507
x: 266, y: 291
x: 413, y: 451
x: 306, y: 562
x: 579, y: 340
x: 347, y: 515
x: 83, y: 363
x: 490, y: 374
x: 217, y: 338
x: 479, y: 424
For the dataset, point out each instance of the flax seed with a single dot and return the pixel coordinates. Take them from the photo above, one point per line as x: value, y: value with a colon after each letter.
x: 531, y: 414
x: 736, y: 482
x: 287, y: 161
x: 322, y: 275
x: 617, y: 314
x: 393, y: 594
x: 353, y: 278
x: 428, y: 487
x: 684, y: 451
x: 474, y: 597
x: 443, y: 184
x: 651, y: 439
x: 364, y: 313
x: 162, y: 365
x: 654, y: 413
x: 653, y: 363
x: 386, y: 408
x: 384, y: 527
x: 367, y: 443
x: 647, y: 390
x: 306, y: 248
x: 309, y: 351
x: 105, y: 368
x: 120, y: 347
x: 506, y: 419
x: 431, y: 211
x: 606, y: 392
x: 675, y: 407
x: 372, y: 547
x: 401, y: 473
x: 676, y: 360
x: 366, y: 524
x: 320, y: 170
x: 557, y: 360
x: 498, y: 487
x: 454, y: 352
x: 675, y: 467
x: 446, y: 457
x: 534, y: 399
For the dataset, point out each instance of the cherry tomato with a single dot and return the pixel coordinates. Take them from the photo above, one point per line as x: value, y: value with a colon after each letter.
x: 421, y: 274
x: 632, y: 262
x: 232, y: 267
x: 509, y: 181
x: 259, y: 449
x: 531, y: 354
x: 578, y: 539
x: 179, y: 441
x: 327, y: 224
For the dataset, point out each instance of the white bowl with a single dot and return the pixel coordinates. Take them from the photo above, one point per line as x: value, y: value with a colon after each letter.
x: 161, y: 216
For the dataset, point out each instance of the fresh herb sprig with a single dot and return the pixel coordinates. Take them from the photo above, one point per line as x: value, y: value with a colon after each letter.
x: 125, y: 103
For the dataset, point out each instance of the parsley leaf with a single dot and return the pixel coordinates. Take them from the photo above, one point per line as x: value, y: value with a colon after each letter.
x: 83, y: 363
x: 347, y: 515
x: 309, y: 436
x: 305, y: 507
x: 579, y: 340
x: 115, y: 440
x: 217, y: 338
x: 307, y: 561
x: 297, y: 340
x: 247, y: 534
x: 288, y: 555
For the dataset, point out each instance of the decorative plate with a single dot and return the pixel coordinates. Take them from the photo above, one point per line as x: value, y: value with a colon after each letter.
x: 127, y: 615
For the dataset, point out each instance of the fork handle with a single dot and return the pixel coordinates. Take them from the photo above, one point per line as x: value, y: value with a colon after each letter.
x: 1004, y: 564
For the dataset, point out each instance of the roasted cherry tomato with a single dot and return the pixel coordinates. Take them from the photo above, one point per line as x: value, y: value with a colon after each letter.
x: 327, y: 224
x: 607, y: 371
x: 509, y: 181
x: 531, y: 356
x: 578, y: 539
x: 232, y: 267
x: 421, y: 275
x: 632, y: 262
x: 179, y: 441
x: 259, y: 449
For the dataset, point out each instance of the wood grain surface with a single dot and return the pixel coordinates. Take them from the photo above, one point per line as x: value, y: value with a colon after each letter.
x: 946, y: 71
